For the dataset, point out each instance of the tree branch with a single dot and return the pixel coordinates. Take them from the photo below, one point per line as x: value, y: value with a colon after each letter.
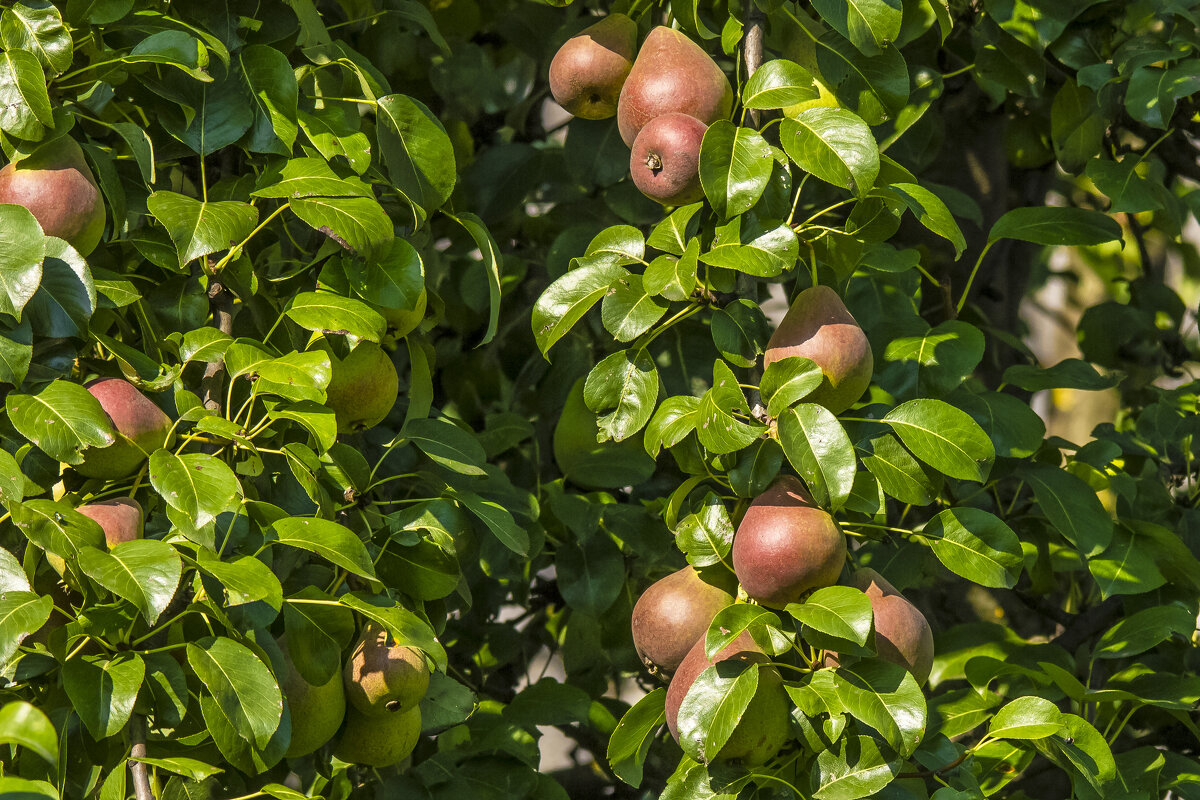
x: 1088, y: 624
x: 221, y: 304
x: 752, y: 48
x: 137, y: 769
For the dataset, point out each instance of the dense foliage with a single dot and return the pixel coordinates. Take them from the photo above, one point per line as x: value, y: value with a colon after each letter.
x: 301, y: 195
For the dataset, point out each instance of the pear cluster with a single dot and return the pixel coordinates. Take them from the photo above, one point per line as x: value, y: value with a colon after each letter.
x: 370, y: 711
x: 664, y: 99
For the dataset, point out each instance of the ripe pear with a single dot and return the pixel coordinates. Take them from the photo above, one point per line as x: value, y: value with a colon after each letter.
x: 665, y: 161
x: 819, y: 327
x: 382, y: 678
x: 786, y: 546
x: 670, y: 615
x: 120, y: 518
x: 672, y: 73
x: 764, y: 727
x: 588, y: 71
x: 57, y: 186
x: 317, y: 711
x: 142, y: 428
x: 363, y: 386
x: 902, y: 634
x: 378, y: 741
x: 591, y: 464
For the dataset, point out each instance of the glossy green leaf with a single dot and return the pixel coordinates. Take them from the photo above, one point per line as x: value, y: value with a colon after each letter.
x: 623, y: 390
x: 566, y: 300
x: 25, y: 725
x: 198, y: 228
x: 1144, y: 630
x: 1071, y: 506
x: 327, y: 539
x: 197, y: 485
x: 778, y: 83
x: 22, y: 248
x: 714, y: 705
x: 976, y: 545
x: 62, y: 419
x: 931, y: 211
x: 788, y: 380
x: 706, y: 536
x: 103, y: 690
x: 145, y: 572
x: 900, y: 475
x: 840, y: 611
x: 21, y: 613
x: 25, y: 110
x: 243, y: 688
x: 886, y: 697
x: 1047, y: 225
x: 358, y: 224
x: 944, y: 438
x: 853, y: 768
x: 630, y: 742
x: 735, y: 164
x: 740, y: 332
x: 629, y: 310
x: 417, y: 152
x: 833, y: 144
x: 817, y: 447
x: 869, y: 24
x: 37, y: 26
x: 748, y: 245
x: 330, y: 313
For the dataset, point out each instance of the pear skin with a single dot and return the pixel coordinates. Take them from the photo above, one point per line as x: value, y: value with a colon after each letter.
x: 120, y: 518
x: 403, y: 321
x: 363, y: 386
x: 818, y: 326
x: 142, y: 428
x: 764, y: 727
x: 382, y: 678
x: 588, y: 71
x: 57, y: 186
x: 902, y: 634
x: 378, y: 741
x: 670, y: 615
x: 672, y: 73
x: 317, y: 711
x: 665, y: 160
x: 785, y: 546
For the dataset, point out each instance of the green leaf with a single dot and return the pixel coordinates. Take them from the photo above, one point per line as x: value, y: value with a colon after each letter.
x: 673, y: 233
x: 630, y: 743
x: 358, y: 224
x: 447, y: 444
x: 840, y: 611
x: 833, y: 144
x: 1153, y: 92
x: 817, y: 447
x: 404, y: 626
x: 417, y: 152
x: 172, y: 48
x: 25, y: 725
x: 930, y: 210
x: 673, y: 277
x: 145, y: 572
x: 1026, y: 718
x: 197, y: 228
x: 22, y: 248
x: 1051, y: 226
x: 853, y: 768
x: 735, y: 164
x: 275, y: 93
x: 37, y: 26
x: 944, y: 438
x: 740, y: 332
x: 21, y: 613
x: 103, y: 690
x: 25, y: 110
x: 394, y: 281
x: 1070, y: 373
x: 22, y: 789
x: 566, y: 300
x: 330, y: 313
x: 870, y: 25
x: 318, y: 630
x: 714, y: 705
x: 1076, y: 126
x: 1126, y: 566
x: 62, y: 420
x: 628, y: 309
x: 976, y: 545
x: 745, y: 244
x: 591, y: 574
x: 716, y: 426
x: 490, y: 253
x: 12, y: 576
x: 733, y: 620
x: 777, y: 84
x: 706, y: 537
x: 623, y: 390
x: 327, y: 539
x: 16, y: 354
x: 447, y: 703
x: 1128, y: 191
x: 197, y: 485
x: 1144, y: 630
x: 1086, y: 749
x: 788, y: 380
x: 674, y: 420
x: 497, y: 518
x: 204, y: 344
x: 330, y: 134
x: 308, y: 177
x: 899, y: 474
x: 56, y: 527
x: 190, y: 768
x: 1071, y: 506
x: 243, y: 688
x: 886, y: 697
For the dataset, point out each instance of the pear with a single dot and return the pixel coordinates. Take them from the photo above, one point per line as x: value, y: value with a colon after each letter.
x: 902, y: 634
x: 672, y: 73
x: 363, y: 386
x: 57, y: 186
x: 588, y: 71
x: 670, y: 615
x: 591, y: 464
x: 317, y: 711
x: 665, y: 161
x: 785, y: 546
x: 764, y: 727
x: 403, y: 321
x: 378, y: 741
x: 819, y: 327
x: 142, y: 428
x: 382, y: 678
x: 120, y: 518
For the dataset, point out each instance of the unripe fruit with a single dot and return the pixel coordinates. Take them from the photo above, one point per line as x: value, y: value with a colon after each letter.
x: 363, y: 386
x: 665, y: 161
x: 588, y: 71
x: 819, y: 327
x: 786, y: 546
x: 378, y: 741
x: 670, y: 615
x: 380, y: 678
x: 592, y: 464
x: 317, y: 711
x: 141, y: 427
x: 57, y: 186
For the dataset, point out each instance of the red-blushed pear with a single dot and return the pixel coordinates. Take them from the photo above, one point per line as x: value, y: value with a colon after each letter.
x: 665, y: 160
x: 56, y: 185
x: 142, y: 428
x: 121, y: 519
x: 671, y: 614
x: 786, y: 546
x: 672, y: 73
x: 317, y: 711
x: 902, y: 634
x: 383, y: 678
x: 588, y: 71
x: 819, y: 327
x: 378, y: 741
x: 764, y: 727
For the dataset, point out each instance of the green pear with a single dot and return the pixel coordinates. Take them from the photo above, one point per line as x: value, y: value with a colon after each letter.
x: 378, y: 741
x: 120, y: 518
x: 57, y: 186
x: 764, y: 727
x: 591, y: 464
x: 785, y: 546
x: 403, y: 321
x: 820, y: 328
x: 672, y: 73
x: 363, y: 386
x: 317, y: 711
x: 142, y: 427
x: 665, y: 160
x: 671, y: 614
x: 588, y: 71
x: 382, y: 678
